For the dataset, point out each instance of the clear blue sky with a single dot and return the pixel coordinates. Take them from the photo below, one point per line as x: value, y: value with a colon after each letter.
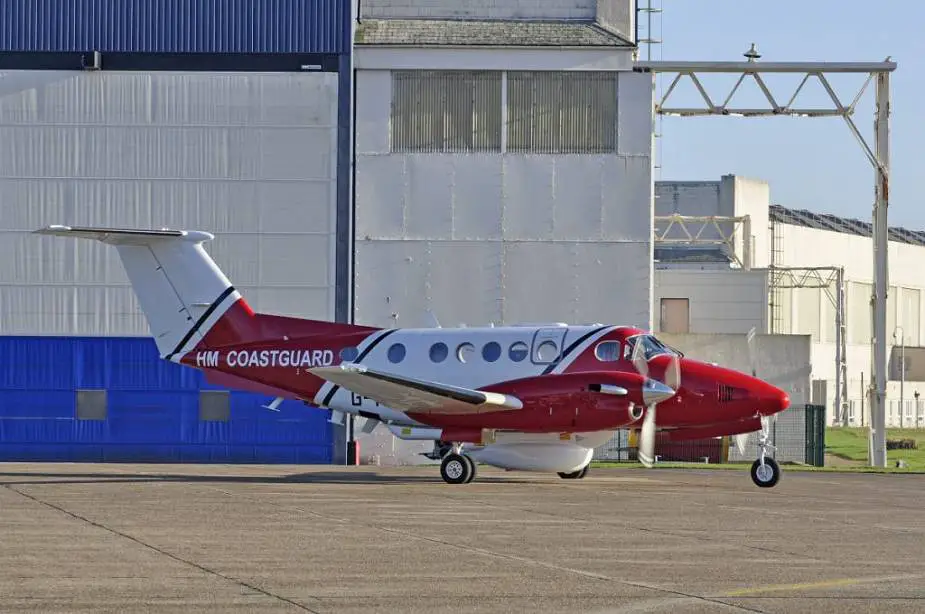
x: 812, y: 164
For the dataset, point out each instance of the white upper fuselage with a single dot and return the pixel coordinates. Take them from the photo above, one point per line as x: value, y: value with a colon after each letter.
x: 467, y: 357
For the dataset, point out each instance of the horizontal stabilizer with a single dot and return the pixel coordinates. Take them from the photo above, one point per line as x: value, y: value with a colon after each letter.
x: 124, y: 236
x: 413, y: 395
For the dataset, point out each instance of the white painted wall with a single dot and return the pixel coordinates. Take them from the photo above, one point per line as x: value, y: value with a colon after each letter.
x: 502, y: 237
x: 730, y: 301
x: 249, y: 157
x: 810, y: 311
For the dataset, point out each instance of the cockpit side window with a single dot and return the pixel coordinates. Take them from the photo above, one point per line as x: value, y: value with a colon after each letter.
x: 651, y: 347
x: 607, y: 351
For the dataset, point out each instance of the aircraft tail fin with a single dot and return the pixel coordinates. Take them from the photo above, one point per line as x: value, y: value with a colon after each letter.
x: 186, y: 299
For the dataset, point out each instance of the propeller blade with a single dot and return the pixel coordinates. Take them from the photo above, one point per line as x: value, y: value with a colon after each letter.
x: 646, y: 451
x: 752, y: 351
x: 741, y: 439
x: 673, y: 373
x: 639, y: 359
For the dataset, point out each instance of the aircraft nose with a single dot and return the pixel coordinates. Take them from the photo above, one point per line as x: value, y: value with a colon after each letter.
x: 774, y: 400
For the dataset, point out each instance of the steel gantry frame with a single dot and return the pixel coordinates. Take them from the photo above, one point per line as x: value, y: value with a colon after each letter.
x: 878, y: 156
x: 709, y: 224
x: 823, y: 278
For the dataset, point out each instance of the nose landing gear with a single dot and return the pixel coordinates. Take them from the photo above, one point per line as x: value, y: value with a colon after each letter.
x: 765, y: 471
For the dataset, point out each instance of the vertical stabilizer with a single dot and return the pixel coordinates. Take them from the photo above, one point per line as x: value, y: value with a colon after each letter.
x: 182, y: 292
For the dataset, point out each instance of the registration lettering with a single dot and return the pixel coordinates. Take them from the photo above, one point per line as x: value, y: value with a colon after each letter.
x: 268, y: 358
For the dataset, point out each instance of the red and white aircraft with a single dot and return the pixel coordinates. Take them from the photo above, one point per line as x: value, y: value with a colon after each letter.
x: 529, y: 397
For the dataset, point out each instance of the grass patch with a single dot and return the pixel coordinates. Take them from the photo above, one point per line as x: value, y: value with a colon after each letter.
x: 851, y: 444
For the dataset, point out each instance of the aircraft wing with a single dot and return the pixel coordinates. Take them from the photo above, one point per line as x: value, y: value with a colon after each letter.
x: 413, y: 395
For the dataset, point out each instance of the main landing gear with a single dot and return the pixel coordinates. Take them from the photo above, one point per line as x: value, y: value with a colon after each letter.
x: 575, y: 475
x: 765, y: 471
x: 456, y: 467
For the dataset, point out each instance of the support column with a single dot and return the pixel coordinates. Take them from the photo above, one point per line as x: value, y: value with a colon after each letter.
x: 877, y: 449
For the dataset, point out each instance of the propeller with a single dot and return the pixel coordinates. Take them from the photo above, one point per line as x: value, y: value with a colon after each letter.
x: 658, y: 391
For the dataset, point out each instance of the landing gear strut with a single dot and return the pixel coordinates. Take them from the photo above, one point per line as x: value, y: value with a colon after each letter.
x: 456, y: 467
x: 765, y: 471
x: 575, y: 475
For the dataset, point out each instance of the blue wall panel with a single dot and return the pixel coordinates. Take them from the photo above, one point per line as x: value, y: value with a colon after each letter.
x: 178, y: 26
x: 152, y: 413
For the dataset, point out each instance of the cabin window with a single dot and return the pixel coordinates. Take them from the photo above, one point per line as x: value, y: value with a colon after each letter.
x: 518, y: 351
x: 349, y: 354
x: 546, y: 352
x: 439, y: 352
x: 396, y: 352
x: 491, y: 351
x: 607, y: 351
x: 464, y: 352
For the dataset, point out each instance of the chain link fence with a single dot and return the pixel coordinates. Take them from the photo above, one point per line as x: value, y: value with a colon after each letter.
x: 798, y: 436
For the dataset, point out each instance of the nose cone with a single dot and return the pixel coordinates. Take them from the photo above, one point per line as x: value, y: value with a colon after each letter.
x: 653, y: 391
x: 773, y: 400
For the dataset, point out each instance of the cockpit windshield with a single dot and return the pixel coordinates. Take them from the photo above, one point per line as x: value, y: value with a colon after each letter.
x: 651, y: 347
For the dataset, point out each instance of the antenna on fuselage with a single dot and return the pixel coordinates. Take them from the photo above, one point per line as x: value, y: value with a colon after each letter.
x: 434, y: 322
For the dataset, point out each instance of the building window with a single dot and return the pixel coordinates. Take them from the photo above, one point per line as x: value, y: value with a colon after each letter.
x: 675, y: 315
x: 607, y: 351
x: 491, y: 351
x: 214, y: 405
x: 446, y: 111
x: 91, y: 404
x: 396, y: 353
x: 562, y: 112
x: 439, y: 352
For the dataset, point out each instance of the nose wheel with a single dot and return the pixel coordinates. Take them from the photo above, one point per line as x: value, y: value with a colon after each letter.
x: 765, y: 471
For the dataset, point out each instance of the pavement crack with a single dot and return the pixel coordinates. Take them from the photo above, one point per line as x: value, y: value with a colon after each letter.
x: 202, y: 568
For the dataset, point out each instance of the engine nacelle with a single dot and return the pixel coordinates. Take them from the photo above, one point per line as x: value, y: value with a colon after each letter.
x: 545, y: 457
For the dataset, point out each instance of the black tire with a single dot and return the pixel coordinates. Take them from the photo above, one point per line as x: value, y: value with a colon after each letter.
x: 472, y: 470
x: 584, y: 471
x: 574, y: 475
x: 455, y: 469
x: 766, y: 478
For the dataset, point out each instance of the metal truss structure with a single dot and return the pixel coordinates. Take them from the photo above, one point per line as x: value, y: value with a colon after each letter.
x: 878, y: 156
x: 721, y: 231
x: 831, y: 280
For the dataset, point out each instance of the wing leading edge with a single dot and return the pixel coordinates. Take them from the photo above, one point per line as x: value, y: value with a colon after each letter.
x: 413, y: 395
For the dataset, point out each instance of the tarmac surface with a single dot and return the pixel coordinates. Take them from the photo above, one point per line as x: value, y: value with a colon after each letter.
x: 218, y: 538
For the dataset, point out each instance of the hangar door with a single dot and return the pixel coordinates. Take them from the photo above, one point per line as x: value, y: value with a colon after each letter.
x: 249, y: 157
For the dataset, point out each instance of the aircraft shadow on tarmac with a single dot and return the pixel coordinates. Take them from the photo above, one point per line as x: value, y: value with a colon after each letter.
x: 322, y: 477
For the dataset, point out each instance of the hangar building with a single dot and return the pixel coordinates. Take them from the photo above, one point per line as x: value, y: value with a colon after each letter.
x: 503, y: 163
x: 776, y: 268
x: 503, y: 167
x: 233, y: 117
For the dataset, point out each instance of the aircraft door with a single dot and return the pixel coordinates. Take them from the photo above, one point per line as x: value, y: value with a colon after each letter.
x: 547, y: 345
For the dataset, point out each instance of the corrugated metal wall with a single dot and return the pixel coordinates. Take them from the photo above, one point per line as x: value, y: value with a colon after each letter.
x: 211, y: 26
x: 504, y: 237
x: 249, y: 157
x: 153, y: 409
